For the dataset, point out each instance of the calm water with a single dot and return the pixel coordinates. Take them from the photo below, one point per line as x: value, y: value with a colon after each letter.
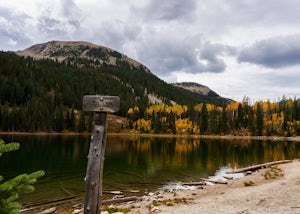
x: 132, y: 163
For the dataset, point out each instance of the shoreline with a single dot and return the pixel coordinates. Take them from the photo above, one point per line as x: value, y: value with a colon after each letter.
x: 252, y: 193
x: 225, y: 137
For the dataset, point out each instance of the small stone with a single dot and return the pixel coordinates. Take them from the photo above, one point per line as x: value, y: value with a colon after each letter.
x: 151, y: 194
x: 169, y: 204
x: 155, y: 210
x: 77, y: 211
x: 248, y: 173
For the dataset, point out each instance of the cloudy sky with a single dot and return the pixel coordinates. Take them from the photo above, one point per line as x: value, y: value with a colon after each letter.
x: 237, y: 48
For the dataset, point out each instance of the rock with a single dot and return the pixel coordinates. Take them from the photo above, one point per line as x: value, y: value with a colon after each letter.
x: 77, y: 211
x: 104, y: 212
x: 169, y: 203
x: 155, y: 210
x: 151, y: 194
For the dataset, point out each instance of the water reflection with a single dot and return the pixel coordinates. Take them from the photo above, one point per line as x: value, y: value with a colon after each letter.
x: 133, y: 162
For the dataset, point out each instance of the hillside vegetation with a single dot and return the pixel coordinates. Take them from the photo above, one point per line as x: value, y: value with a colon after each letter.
x: 46, y: 95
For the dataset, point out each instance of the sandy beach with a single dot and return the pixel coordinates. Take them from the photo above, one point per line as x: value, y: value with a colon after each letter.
x: 279, y: 193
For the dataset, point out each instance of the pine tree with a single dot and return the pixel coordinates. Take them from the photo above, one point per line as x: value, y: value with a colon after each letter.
x: 12, y: 188
x: 251, y: 125
x: 240, y: 116
x: 72, y: 120
x: 223, y: 124
x: 203, y: 119
x: 81, y: 124
x: 259, y: 120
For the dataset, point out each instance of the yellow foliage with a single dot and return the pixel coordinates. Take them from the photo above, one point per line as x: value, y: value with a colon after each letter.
x: 209, y: 107
x: 183, y: 124
x: 135, y: 109
x: 232, y: 106
x: 143, y: 125
x: 130, y: 111
x: 177, y: 109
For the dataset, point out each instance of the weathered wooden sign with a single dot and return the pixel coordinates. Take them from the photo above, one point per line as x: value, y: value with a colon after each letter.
x: 100, y: 103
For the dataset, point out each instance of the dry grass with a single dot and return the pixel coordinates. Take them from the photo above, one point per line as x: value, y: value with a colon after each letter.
x: 273, y: 172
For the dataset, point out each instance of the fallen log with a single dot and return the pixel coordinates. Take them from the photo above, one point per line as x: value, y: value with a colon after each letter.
x: 259, y: 166
x: 36, y: 207
x: 120, y: 200
x: 193, y: 183
x: 49, y: 201
x: 114, y: 192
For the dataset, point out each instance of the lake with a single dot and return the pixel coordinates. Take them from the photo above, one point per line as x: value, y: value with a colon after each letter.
x: 132, y: 163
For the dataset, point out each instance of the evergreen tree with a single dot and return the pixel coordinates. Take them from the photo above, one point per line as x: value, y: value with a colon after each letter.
x: 72, y: 120
x: 251, y: 125
x: 171, y: 120
x: 240, y: 116
x: 259, y: 120
x: 12, y: 188
x: 223, y: 126
x: 81, y: 124
x: 203, y: 119
x: 59, y: 119
x: 91, y: 119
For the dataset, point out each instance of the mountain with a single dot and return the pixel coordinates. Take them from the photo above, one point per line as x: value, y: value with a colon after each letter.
x: 79, y: 53
x: 85, y: 54
x: 202, y: 90
x: 41, y: 88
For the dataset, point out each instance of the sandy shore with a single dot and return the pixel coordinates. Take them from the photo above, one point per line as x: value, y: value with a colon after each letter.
x: 271, y: 190
x: 280, y: 194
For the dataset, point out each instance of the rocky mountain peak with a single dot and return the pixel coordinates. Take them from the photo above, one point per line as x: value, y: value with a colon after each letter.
x: 72, y: 51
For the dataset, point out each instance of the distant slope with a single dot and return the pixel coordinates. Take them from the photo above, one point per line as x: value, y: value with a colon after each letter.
x: 202, y: 90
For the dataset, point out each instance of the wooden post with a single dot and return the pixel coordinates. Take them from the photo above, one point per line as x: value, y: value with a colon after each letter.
x: 101, y: 105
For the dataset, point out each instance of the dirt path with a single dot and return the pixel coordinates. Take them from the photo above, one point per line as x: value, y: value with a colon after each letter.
x: 278, y: 195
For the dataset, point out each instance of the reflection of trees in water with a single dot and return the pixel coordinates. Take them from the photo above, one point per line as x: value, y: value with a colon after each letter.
x: 195, y: 153
x: 137, y: 160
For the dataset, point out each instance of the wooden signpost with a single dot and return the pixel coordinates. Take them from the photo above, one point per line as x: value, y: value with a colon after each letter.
x: 100, y: 105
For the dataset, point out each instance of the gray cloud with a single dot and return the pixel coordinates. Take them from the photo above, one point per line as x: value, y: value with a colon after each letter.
x: 117, y: 33
x: 59, y: 20
x: 167, y: 10
x: 11, y: 29
x: 189, y: 55
x: 175, y: 36
x: 277, y: 52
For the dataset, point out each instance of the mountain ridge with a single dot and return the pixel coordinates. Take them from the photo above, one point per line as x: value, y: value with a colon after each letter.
x: 86, y: 54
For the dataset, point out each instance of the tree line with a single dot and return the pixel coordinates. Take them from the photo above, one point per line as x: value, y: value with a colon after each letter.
x: 237, y: 118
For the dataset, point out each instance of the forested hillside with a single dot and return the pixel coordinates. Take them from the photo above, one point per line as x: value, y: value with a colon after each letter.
x: 46, y: 95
